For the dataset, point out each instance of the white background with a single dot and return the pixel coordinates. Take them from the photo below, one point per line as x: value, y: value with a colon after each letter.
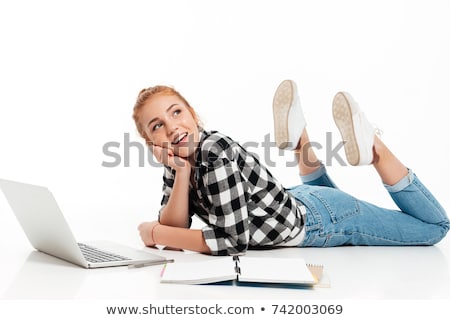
x: 70, y: 72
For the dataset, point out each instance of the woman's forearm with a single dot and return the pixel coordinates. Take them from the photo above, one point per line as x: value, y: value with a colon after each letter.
x: 180, y: 238
x: 176, y: 212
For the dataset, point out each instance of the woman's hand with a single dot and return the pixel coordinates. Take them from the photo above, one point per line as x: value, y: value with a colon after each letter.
x: 174, y: 238
x: 168, y: 158
x: 146, y: 231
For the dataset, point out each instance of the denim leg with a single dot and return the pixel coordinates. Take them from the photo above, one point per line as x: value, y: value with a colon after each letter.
x: 319, y: 177
x: 335, y: 218
x: 413, y: 198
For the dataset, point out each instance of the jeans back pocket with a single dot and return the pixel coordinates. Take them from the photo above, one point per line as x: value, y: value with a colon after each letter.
x: 340, y: 205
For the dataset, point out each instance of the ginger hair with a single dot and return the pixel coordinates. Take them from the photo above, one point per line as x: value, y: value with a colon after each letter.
x: 146, y: 94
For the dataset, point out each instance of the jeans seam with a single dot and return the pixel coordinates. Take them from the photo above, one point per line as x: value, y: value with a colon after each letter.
x: 330, y: 235
x: 311, y: 211
x: 427, y: 195
x: 445, y: 222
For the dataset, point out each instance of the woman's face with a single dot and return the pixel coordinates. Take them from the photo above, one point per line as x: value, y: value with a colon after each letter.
x: 168, y: 123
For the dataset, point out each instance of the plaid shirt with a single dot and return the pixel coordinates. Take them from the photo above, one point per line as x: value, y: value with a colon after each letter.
x: 240, y: 201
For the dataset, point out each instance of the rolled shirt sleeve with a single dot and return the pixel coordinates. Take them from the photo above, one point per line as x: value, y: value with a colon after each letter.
x: 168, y: 180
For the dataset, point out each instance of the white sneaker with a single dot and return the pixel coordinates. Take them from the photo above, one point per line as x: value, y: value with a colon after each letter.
x: 289, y: 121
x: 357, y: 133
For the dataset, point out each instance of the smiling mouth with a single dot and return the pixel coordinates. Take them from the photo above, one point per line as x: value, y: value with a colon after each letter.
x: 179, y: 138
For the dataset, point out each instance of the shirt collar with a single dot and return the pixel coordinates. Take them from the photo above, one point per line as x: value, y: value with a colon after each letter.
x: 203, y: 134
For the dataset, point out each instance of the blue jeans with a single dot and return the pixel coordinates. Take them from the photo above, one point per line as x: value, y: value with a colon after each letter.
x: 335, y: 218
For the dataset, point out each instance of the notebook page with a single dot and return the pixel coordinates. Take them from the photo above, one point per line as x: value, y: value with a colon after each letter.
x: 199, y: 272
x: 275, y: 270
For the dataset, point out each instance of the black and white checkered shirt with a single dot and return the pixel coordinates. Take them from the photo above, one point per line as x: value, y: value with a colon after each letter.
x: 240, y: 201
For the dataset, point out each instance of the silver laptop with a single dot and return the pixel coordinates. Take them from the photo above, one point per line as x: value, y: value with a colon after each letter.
x: 48, y: 231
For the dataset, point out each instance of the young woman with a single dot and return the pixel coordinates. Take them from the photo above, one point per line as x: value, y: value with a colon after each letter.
x: 209, y: 175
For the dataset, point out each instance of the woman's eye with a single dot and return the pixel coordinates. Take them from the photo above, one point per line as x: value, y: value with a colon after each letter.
x: 156, y: 126
x: 177, y: 112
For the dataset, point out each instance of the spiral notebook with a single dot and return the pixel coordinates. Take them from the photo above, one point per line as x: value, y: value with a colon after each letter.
x: 243, y: 269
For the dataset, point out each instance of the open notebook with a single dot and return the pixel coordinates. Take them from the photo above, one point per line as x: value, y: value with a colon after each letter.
x: 243, y: 269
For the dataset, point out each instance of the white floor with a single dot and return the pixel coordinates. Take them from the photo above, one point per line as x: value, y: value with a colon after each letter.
x: 370, y: 282
x: 350, y: 273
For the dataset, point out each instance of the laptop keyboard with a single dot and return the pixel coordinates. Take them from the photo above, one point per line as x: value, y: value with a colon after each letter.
x: 92, y: 254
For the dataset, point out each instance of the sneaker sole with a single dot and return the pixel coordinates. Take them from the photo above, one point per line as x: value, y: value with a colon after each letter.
x: 343, y: 117
x: 282, y: 101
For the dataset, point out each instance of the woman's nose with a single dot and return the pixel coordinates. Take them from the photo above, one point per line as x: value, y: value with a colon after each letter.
x: 171, y: 128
